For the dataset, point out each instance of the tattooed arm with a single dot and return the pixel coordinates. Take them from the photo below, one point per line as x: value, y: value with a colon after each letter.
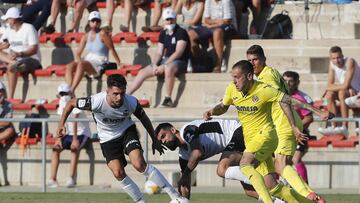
x: 216, y: 111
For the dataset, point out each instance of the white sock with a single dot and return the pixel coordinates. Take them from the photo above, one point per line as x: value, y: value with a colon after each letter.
x: 155, y: 176
x: 277, y: 200
x: 234, y: 173
x: 132, y: 190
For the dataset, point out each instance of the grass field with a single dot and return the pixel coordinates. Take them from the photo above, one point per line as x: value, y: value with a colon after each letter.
x: 123, y: 198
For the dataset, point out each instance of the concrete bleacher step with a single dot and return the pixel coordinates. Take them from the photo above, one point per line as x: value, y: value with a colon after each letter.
x: 205, y: 90
x: 326, y: 30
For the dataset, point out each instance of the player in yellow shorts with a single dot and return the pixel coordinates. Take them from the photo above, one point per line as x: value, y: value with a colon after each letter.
x: 253, y: 101
x: 287, y: 141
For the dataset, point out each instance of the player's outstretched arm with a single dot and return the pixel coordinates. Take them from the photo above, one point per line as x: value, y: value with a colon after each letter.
x: 145, y: 121
x: 217, y: 110
x: 60, y: 132
x: 324, y: 115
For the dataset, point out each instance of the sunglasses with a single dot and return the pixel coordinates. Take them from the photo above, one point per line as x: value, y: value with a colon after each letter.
x: 169, y: 19
x: 95, y: 20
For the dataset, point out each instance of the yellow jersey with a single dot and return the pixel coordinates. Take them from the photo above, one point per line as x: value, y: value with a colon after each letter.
x: 254, y: 108
x: 272, y: 77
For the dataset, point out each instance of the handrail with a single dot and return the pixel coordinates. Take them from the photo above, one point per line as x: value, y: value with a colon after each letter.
x: 44, y: 121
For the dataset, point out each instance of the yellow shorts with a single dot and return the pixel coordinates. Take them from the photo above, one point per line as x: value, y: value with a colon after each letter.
x: 266, y: 167
x: 287, y: 144
x: 262, y: 144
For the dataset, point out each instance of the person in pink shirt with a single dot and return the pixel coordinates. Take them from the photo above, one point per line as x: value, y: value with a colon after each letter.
x: 292, y: 79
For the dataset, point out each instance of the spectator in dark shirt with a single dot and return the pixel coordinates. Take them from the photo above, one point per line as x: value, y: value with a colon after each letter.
x: 36, y: 12
x: 170, y: 59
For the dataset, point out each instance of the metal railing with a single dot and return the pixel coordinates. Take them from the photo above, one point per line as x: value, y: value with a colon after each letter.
x: 45, y: 121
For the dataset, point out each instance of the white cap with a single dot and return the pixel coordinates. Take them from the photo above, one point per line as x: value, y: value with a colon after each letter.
x: 94, y: 15
x: 64, y: 88
x: 168, y: 13
x: 2, y: 86
x: 12, y: 12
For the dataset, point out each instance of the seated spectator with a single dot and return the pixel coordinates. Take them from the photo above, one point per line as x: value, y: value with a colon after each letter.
x: 158, y: 6
x: 343, y: 82
x: 36, y: 12
x: 192, y: 11
x: 97, y: 43
x: 220, y: 25
x: 75, y: 12
x: 76, y: 138
x: 170, y: 59
x: 292, y: 79
x: 7, y: 131
x: 19, y: 48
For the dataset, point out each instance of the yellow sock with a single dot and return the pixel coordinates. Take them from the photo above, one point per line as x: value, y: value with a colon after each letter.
x: 258, y: 182
x: 293, y: 178
x: 287, y: 194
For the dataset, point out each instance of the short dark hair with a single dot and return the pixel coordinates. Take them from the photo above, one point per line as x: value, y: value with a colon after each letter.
x: 292, y: 74
x: 256, y: 50
x: 335, y: 49
x: 163, y: 126
x: 116, y: 80
x: 244, y: 66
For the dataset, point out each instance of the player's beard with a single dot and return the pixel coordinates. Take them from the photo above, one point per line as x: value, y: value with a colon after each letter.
x: 172, y: 145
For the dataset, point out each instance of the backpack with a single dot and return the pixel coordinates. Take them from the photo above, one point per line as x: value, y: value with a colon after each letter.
x: 35, y: 127
x: 279, y: 27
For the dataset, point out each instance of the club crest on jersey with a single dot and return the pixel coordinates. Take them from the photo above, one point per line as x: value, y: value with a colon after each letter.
x: 255, y: 99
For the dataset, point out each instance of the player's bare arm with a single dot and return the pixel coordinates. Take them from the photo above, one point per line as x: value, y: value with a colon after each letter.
x: 145, y: 121
x: 324, y: 115
x: 217, y: 110
x: 285, y: 105
x: 60, y: 132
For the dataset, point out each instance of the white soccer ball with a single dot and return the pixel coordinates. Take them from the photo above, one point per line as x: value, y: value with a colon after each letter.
x: 180, y: 200
x: 151, y: 188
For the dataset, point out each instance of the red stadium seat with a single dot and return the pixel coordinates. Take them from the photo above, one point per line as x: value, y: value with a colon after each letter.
x: 121, y: 71
x: 52, y: 106
x: 129, y: 37
x: 152, y: 36
x: 30, y: 141
x: 22, y: 106
x: 73, y: 36
x: 46, y: 37
x: 133, y: 69
x: 14, y: 101
x: 42, y: 73
x: 320, y: 104
x: 50, y: 139
x: 144, y: 103
x: 322, y: 142
x: 54, y: 68
x: 351, y: 142
x: 101, y: 4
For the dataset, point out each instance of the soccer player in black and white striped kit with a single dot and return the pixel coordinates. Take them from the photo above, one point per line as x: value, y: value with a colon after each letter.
x: 112, y: 110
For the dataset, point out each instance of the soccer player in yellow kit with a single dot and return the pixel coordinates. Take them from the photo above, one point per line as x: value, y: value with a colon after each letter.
x: 287, y: 141
x: 253, y: 101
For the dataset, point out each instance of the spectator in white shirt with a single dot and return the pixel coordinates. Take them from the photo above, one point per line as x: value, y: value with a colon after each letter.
x: 19, y: 47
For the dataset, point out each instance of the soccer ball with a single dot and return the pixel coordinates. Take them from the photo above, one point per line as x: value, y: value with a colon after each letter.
x: 180, y: 200
x: 151, y: 188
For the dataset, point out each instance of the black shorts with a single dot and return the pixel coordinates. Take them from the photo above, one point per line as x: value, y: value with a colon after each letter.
x: 116, y: 148
x: 236, y: 143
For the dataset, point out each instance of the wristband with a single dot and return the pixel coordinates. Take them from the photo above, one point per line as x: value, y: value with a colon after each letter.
x: 186, y: 171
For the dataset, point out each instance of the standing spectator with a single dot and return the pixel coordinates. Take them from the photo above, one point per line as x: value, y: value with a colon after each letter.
x: 343, y: 82
x: 170, y: 59
x: 112, y: 111
x: 7, y: 130
x: 36, y: 12
x: 75, y: 12
x: 76, y: 138
x: 22, y: 44
x: 292, y: 79
x: 219, y: 25
x: 97, y: 43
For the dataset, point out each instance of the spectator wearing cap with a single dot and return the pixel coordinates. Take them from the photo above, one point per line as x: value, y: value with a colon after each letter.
x: 76, y: 138
x: 170, y: 59
x: 97, y: 43
x: 219, y: 25
x: 19, y: 48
